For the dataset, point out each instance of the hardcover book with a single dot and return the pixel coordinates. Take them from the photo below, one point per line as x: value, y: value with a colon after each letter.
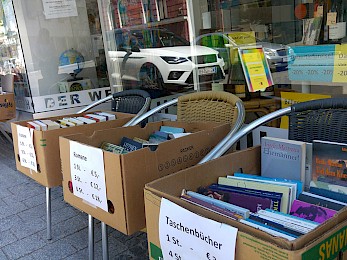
x: 329, y: 194
x: 329, y: 160
x: 321, y: 201
x: 283, y: 158
x: 171, y: 129
x: 311, y: 212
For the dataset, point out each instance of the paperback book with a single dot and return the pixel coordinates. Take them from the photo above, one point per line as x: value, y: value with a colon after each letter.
x: 321, y: 201
x: 311, y: 212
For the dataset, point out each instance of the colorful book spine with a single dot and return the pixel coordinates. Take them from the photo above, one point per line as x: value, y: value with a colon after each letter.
x: 321, y: 201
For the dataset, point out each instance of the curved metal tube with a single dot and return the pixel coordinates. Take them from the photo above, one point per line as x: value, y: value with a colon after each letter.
x: 95, y: 104
x: 139, y: 118
x: 248, y: 128
x: 141, y: 112
x: 238, y: 124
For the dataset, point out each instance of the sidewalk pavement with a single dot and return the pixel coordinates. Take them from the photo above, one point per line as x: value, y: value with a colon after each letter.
x: 23, y: 222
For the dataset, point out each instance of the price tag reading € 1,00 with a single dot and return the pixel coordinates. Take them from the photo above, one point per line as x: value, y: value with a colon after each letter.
x: 88, y: 174
x: 185, y: 235
x: 26, y: 147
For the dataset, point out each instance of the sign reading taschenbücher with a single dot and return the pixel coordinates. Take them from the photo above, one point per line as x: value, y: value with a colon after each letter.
x: 87, y: 174
x: 185, y: 235
x: 26, y: 147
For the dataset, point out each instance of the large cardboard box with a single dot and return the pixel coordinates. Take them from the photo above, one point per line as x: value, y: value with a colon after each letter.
x: 46, y: 144
x: 127, y: 174
x: 7, y: 106
x: 328, y: 241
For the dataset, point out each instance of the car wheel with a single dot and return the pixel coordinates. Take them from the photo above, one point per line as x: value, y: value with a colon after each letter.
x: 150, y: 77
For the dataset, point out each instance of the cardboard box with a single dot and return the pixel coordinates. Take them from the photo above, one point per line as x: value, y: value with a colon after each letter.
x: 127, y: 174
x: 46, y: 145
x: 327, y: 241
x: 7, y: 106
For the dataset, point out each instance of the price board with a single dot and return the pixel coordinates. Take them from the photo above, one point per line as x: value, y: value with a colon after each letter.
x: 185, y: 235
x: 340, y: 64
x: 26, y: 148
x: 88, y: 174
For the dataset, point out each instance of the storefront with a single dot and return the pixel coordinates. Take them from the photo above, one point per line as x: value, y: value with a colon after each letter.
x: 67, y: 54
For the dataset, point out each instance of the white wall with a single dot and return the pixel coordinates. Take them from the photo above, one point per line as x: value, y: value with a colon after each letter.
x: 43, y: 41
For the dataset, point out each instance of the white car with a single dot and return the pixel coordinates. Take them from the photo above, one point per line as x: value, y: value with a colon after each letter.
x: 157, y: 57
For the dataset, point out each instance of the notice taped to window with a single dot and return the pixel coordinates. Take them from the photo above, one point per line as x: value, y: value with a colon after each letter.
x: 185, y: 235
x: 59, y: 8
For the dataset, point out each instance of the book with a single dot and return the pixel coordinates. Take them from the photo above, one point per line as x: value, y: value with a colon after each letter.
x: 130, y: 145
x: 255, y: 184
x: 329, y: 160
x: 329, y: 194
x: 329, y: 186
x: 112, y: 148
x: 275, y: 226
x: 96, y: 117
x: 294, y: 222
x: 311, y: 30
x: 251, y: 202
x: 34, y: 126
x: 275, y: 197
x: 299, y: 185
x: 107, y: 115
x: 73, y: 120
x: 222, y: 204
x: 66, y: 123
x: 283, y: 158
x: 266, y: 229
x: 308, y: 165
x: 211, y: 207
x: 171, y: 129
x: 43, y: 126
x: 321, y: 201
x: 51, y: 125
x: 311, y: 212
x: 85, y: 120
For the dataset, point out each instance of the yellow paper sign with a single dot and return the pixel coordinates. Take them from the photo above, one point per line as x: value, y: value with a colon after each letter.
x: 331, y: 18
x: 290, y: 98
x: 340, y: 63
x: 240, y: 38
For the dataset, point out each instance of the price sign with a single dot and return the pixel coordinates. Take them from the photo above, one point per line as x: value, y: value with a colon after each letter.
x: 340, y: 62
x: 185, y: 235
x: 88, y: 174
x: 26, y: 149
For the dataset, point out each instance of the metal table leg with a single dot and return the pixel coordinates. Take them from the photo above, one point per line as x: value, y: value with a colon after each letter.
x: 49, y: 213
x: 91, y: 237
x: 104, y: 241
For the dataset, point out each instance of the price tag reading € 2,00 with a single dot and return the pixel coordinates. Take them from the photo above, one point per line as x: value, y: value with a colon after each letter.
x: 26, y: 148
x: 88, y: 174
x: 185, y: 235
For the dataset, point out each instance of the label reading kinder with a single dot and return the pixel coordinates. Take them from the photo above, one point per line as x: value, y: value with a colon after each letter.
x: 87, y: 174
x: 185, y: 235
x: 26, y: 147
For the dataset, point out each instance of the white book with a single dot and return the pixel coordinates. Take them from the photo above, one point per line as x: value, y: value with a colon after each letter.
x: 86, y: 120
x: 304, y: 223
x: 65, y: 123
x: 73, y: 120
x: 34, y: 126
x: 267, y: 230
x: 51, y: 125
x: 107, y: 115
x: 42, y: 125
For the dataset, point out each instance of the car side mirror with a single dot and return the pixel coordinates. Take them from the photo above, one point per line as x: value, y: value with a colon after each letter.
x: 135, y: 49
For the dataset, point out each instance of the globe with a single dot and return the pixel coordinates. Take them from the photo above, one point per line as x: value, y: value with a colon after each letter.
x: 72, y: 56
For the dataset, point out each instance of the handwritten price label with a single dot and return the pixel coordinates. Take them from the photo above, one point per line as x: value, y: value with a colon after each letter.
x: 26, y: 147
x: 185, y: 235
x: 87, y: 174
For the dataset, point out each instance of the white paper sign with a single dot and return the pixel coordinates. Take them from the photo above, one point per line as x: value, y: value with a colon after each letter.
x: 185, y: 235
x: 26, y: 149
x: 59, y: 8
x: 88, y: 174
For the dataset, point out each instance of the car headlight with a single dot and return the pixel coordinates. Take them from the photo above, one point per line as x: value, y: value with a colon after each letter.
x: 174, y: 60
x: 269, y: 52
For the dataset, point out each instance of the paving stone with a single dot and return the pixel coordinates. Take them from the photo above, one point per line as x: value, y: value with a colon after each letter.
x: 8, y: 223
x: 28, y: 227
x: 7, y: 238
x: 23, y: 247
x: 56, y: 250
x: 2, y: 255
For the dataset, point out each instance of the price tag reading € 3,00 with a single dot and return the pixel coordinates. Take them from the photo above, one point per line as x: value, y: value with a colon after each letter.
x: 185, y: 235
x: 88, y: 174
x: 26, y: 148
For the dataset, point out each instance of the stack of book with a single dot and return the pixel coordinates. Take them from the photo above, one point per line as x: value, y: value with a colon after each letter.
x: 44, y: 125
x: 275, y: 202
x: 132, y: 144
